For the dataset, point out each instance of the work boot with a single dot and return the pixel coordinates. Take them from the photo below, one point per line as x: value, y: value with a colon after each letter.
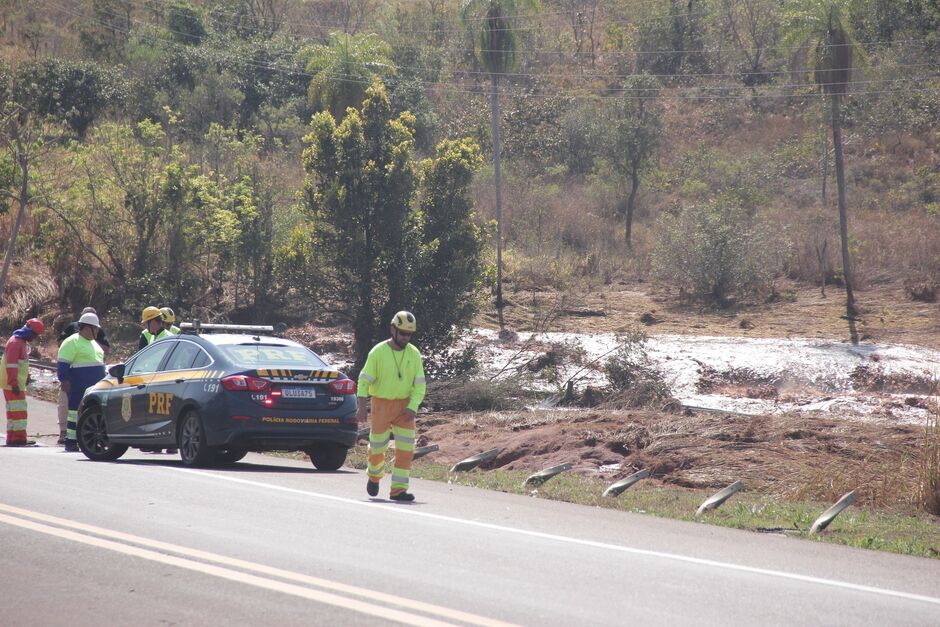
x: 61, y: 439
x: 172, y: 451
x: 402, y: 497
x: 71, y: 447
x: 372, y: 487
x: 22, y: 443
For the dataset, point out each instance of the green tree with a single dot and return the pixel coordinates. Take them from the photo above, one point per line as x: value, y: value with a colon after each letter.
x: 122, y: 184
x: 821, y: 22
x: 360, y: 183
x: 448, y: 273
x: 716, y: 251
x: 496, y: 46
x: 105, y: 36
x: 631, y: 142
x: 24, y: 138
x: 752, y: 26
x: 185, y: 23
x: 76, y: 93
x: 236, y: 161
x: 344, y: 69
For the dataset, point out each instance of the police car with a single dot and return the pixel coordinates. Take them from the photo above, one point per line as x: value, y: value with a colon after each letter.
x: 216, y: 392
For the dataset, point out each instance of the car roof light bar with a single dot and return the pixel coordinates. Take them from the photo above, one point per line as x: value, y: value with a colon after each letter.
x: 198, y: 327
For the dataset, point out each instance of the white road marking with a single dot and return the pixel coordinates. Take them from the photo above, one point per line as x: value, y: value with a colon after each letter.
x: 407, y: 511
x: 279, y: 586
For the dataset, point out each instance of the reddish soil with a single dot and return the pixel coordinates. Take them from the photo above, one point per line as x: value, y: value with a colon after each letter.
x: 814, y: 456
x: 801, y: 456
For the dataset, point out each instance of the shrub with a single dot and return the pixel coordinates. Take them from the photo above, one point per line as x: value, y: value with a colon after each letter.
x: 716, y: 252
x: 634, y: 380
x: 478, y: 394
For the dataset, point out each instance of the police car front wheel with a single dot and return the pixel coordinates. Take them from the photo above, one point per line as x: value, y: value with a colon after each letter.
x: 92, y: 436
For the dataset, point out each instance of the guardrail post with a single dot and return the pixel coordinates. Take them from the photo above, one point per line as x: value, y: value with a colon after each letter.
x: 421, y: 451
x: 472, y: 462
x: 829, y: 515
x: 544, y: 475
x: 715, y: 500
x: 616, y: 488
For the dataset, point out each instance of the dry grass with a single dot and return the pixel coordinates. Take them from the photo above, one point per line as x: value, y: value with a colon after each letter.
x: 29, y: 286
x: 928, y: 468
x: 787, y: 457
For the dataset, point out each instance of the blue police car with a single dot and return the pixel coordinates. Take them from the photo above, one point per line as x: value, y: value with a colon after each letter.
x: 216, y: 392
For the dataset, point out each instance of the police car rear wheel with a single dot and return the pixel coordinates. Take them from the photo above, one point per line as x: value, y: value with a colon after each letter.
x: 327, y: 456
x: 92, y: 436
x: 194, y: 450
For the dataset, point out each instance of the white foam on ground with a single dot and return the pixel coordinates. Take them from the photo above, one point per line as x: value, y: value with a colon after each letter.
x: 810, y: 374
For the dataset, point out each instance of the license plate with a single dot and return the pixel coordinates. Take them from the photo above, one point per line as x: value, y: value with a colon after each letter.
x: 298, y: 392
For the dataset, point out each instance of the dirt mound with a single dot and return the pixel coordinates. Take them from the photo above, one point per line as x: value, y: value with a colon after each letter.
x: 799, y: 456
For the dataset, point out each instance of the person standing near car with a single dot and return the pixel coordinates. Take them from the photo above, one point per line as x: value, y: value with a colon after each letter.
x: 14, y: 373
x: 152, y: 319
x: 393, y: 377
x: 67, y: 331
x: 80, y: 365
x: 168, y: 316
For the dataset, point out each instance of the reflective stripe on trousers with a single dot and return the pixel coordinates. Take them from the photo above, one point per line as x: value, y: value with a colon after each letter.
x: 388, y: 417
x: 71, y: 424
x: 16, y: 415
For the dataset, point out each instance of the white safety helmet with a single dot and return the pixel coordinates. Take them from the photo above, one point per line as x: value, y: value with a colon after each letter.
x: 90, y: 318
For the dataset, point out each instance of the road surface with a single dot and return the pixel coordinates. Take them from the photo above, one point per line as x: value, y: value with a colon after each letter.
x: 147, y: 541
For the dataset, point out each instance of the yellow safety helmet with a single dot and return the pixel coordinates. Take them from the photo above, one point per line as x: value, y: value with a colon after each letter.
x: 405, y: 321
x: 167, y: 314
x: 149, y: 314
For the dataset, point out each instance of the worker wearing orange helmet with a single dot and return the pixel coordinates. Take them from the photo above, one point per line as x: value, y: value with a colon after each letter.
x: 394, y: 377
x: 14, y: 372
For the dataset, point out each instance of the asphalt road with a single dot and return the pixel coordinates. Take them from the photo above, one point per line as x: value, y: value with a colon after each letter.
x: 146, y: 541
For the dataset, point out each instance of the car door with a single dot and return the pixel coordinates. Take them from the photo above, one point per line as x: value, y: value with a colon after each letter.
x: 168, y: 388
x: 137, y: 404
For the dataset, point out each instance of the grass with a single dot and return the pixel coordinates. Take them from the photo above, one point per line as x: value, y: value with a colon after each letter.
x: 907, y: 533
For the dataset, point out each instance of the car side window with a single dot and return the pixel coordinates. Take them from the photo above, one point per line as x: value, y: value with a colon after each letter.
x: 202, y: 359
x: 149, y: 360
x: 182, y: 356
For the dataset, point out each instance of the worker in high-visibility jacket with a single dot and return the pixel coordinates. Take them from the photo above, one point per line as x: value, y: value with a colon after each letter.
x: 394, y: 378
x: 14, y: 372
x: 168, y: 316
x: 154, y: 329
x: 152, y: 319
x: 68, y: 330
x: 80, y: 366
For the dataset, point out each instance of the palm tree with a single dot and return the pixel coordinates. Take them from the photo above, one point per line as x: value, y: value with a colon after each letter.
x: 495, y: 48
x: 344, y: 69
x: 821, y: 21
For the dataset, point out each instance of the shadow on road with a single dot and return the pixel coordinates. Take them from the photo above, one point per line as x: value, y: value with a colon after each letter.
x: 236, y: 467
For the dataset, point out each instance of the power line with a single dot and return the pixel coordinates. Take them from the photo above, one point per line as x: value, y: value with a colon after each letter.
x: 451, y: 87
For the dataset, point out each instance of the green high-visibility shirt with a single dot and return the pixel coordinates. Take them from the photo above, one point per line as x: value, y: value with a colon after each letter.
x: 393, y: 374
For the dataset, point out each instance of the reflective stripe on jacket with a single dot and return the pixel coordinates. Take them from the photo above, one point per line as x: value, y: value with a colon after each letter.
x: 15, y: 363
x: 393, y: 375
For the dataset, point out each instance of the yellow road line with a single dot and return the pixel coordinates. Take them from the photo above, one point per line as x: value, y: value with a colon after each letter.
x: 331, y: 599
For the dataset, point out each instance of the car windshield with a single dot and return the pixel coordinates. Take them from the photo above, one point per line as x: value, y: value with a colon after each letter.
x: 272, y: 356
